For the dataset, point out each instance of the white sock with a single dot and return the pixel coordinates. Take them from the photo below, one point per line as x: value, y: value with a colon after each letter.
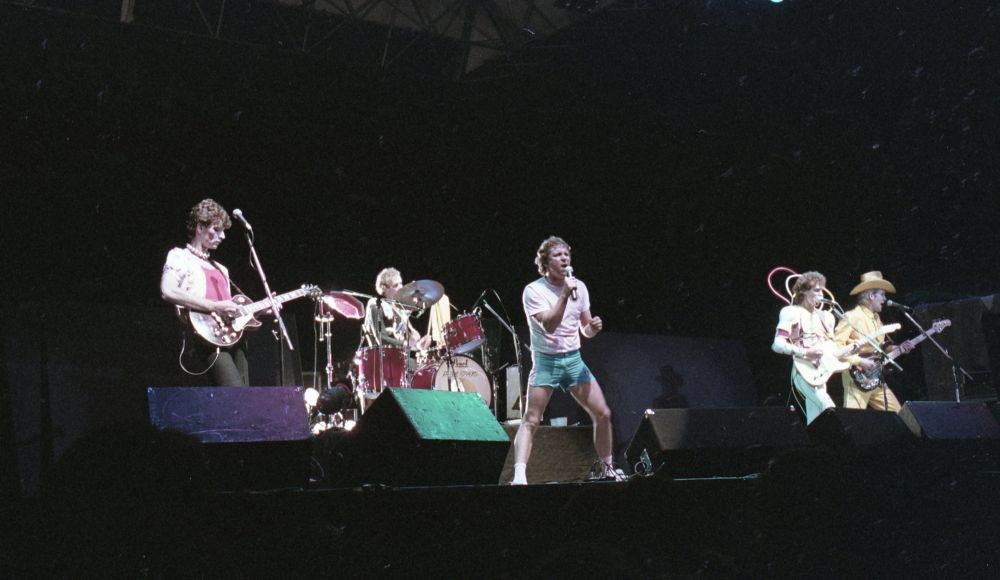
x: 520, y: 476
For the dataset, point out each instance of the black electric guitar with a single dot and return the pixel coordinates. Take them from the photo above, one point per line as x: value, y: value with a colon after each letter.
x: 817, y: 371
x: 227, y: 331
x: 871, y: 380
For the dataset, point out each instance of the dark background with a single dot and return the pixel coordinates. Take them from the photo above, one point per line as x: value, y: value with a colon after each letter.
x: 683, y: 156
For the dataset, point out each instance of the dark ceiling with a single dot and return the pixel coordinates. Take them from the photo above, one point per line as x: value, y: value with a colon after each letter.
x: 684, y: 151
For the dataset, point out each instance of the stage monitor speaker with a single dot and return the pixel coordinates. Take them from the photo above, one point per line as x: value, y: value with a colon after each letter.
x: 254, y: 437
x: 713, y: 442
x: 859, y: 428
x: 411, y: 437
x: 944, y: 420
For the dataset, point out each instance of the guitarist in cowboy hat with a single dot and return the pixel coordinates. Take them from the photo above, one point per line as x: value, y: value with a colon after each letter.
x: 871, y: 298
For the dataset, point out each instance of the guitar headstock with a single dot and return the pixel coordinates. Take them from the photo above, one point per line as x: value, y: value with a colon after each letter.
x: 940, y: 325
x: 312, y: 291
x: 890, y: 328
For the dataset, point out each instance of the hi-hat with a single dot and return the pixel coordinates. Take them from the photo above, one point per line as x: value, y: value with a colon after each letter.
x: 419, y: 294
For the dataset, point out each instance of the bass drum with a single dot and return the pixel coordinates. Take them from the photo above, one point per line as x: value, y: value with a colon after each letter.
x: 461, y: 374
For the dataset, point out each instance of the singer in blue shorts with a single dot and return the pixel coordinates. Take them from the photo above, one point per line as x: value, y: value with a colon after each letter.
x: 557, y: 306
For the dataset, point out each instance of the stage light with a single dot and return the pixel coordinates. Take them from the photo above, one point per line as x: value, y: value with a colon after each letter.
x: 311, y: 396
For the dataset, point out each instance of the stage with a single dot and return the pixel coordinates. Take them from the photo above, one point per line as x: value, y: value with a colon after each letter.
x: 138, y: 502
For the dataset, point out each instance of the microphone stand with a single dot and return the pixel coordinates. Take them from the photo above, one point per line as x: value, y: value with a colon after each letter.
x: 275, y: 308
x: 955, y: 367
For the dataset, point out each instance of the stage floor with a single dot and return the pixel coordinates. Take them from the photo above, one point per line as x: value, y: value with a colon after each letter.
x: 807, y: 516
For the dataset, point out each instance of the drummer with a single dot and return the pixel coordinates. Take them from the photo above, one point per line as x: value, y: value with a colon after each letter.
x: 391, y: 325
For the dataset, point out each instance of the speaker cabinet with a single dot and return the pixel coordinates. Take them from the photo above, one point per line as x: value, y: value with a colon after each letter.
x: 422, y: 437
x: 713, y: 442
x: 253, y: 437
x: 943, y: 420
x: 859, y: 428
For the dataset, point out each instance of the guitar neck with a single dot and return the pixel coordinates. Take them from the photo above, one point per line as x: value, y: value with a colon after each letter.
x: 259, y: 305
x: 914, y: 341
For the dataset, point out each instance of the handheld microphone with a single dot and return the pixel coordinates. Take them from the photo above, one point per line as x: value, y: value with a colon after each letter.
x: 569, y: 274
x: 238, y: 214
x: 826, y: 301
x: 902, y: 307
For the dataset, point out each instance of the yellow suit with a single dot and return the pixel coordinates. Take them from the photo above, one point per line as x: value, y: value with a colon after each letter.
x: 868, y: 322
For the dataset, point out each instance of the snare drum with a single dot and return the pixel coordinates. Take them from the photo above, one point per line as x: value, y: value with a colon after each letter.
x: 464, y: 333
x: 462, y: 374
x: 368, y: 369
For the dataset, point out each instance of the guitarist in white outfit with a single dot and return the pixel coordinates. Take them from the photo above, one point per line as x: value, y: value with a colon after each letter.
x: 805, y: 332
x: 192, y: 280
x: 865, y: 317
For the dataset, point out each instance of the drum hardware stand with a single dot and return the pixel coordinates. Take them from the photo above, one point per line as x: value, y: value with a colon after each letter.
x: 517, y: 356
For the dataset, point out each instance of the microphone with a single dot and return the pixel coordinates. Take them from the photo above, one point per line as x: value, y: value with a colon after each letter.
x: 902, y: 307
x: 827, y: 301
x: 238, y: 214
x: 569, y: 274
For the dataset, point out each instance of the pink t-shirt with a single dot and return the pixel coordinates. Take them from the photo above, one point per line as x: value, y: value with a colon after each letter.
x: 216, y: 284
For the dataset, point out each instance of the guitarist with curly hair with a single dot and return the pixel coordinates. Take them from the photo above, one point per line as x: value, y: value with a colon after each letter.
x: 192, y: 281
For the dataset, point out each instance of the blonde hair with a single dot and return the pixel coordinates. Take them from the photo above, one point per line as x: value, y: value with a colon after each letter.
x: 545, y: 250
x: 386, y: 277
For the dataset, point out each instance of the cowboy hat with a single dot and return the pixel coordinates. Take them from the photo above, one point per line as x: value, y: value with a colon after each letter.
x: 873, y: 279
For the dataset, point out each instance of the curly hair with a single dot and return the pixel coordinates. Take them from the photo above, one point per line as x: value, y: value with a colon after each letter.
x: 208, y: 212
x: 804, y: 283
x: 545, y: 250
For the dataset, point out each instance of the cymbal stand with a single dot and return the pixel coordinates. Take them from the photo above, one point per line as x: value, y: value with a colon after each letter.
x: 454, y: 384
x: 517, y: 357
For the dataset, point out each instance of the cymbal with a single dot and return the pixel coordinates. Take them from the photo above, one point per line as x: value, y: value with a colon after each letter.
x: 343, y: 303
x: 419, y: 293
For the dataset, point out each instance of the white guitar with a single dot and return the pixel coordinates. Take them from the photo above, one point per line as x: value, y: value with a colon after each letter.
x: 817, y: 371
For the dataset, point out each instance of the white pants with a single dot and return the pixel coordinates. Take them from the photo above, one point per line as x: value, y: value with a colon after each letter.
x: 816, y: 398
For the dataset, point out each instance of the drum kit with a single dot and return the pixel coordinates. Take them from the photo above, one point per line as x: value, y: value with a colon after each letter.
x: 378, y: 366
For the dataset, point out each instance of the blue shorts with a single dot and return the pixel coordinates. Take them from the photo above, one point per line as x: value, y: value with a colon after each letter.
x: 559, y: 371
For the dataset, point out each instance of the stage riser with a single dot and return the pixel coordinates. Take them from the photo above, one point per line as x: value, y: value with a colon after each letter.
x: 558, y: 454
